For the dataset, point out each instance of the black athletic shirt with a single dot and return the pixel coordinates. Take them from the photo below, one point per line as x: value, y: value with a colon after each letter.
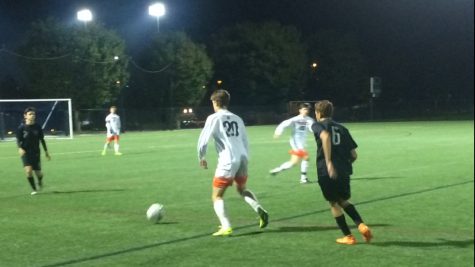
x: 29, y: 136
x: 341, y: 145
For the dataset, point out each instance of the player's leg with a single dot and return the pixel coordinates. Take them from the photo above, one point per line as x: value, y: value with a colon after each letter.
x: 31, y: 180
x: 304, y: 168
x: 294, y: 159
x: 350, y: 209
x: 340, y: 219
x: 39, y: 177
x: 329, y: 189
x: 28, y: 168
x: 106, y: 145
x: 248, y: 195
x: 220, y: 185
x: 116, y: 145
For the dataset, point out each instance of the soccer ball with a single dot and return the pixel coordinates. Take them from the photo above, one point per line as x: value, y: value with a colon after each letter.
x: 155, y: 212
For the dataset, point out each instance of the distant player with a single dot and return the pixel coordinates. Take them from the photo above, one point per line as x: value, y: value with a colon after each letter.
x: 336, y: 152
x: 29, y: 135
x: 113, y: 131
x: 300, y: 125
x: 229, y: 134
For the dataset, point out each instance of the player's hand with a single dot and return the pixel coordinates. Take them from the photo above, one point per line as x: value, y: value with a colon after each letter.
x: 21, y: 151
x: 47, y: 155
x: 332, y: 171
x: 204, y: 164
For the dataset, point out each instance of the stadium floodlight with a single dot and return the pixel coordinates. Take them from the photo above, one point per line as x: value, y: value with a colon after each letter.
x: 157, y: 10
x: 84, y: 15
x: 54, y: 116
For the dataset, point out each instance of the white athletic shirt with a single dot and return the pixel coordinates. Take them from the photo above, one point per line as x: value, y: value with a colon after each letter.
x: 229, y: 135
x: 113, y: 124
x: 300, y: 126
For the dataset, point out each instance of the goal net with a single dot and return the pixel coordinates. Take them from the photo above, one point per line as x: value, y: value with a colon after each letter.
x: 54, y: 116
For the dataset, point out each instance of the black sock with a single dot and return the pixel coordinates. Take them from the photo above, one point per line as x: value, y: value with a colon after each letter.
x: 32, y: 183
x: 340, y: 220
x: 40, y: 180
x: 351, y: 211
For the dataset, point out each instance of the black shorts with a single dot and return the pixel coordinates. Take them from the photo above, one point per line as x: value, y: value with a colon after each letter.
x: 32, y: 160
x: 335, y: 190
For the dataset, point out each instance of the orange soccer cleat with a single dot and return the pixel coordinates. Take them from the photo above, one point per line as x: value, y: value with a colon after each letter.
x: 347, y: 240
x: 365, y: 232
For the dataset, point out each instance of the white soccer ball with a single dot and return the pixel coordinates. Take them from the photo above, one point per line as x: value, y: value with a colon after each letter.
x: 155, y: 212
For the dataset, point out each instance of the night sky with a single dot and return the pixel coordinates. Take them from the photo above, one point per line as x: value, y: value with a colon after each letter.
x: 416, y: 30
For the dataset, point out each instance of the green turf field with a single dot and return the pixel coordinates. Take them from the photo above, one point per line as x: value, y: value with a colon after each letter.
x: 413, y: 184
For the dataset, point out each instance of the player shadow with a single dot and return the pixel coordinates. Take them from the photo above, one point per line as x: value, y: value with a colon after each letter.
x: 421, y: 244
x: 83, y: 191
x: 296, y: 229
x: 248, y: 234
x: 376, y: 178
x: 166, y: 223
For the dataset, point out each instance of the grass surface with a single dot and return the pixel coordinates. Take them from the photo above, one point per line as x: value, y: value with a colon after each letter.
x: 413, y: 184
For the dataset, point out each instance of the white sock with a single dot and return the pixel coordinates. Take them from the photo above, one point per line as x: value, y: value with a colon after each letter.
x: 116, y: 148
x: 251, y: 199
x: 304, y: 168
x: 286, y: 165
x: 105, y: 146
x: 218, y: 205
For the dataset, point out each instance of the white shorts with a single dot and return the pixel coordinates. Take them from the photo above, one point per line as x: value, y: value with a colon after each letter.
x: 232, y: 170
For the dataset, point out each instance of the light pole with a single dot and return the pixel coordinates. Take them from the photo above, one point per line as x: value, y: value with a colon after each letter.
x: 84, y: 15
x: 157, y: 10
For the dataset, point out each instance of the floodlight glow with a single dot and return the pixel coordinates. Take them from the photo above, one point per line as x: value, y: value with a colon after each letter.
x: 156, y: 10
x: 84, y: 15
x: 116, y: 58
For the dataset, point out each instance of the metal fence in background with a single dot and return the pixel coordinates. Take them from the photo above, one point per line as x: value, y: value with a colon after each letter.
x: 194, y: 117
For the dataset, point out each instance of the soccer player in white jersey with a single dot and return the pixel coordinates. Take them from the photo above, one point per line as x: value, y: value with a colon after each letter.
x: 113, y: 131
x: 229, y: 134
x: 300, y: 125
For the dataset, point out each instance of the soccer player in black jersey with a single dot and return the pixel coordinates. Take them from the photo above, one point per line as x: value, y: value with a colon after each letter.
x: 335, y: 155
x: 29, y: 135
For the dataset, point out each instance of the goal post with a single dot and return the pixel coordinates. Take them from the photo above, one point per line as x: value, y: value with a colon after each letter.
x: 53, y: 115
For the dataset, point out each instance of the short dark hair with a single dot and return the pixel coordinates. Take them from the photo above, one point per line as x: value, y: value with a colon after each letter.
x: 28, y: 109
x: 325, y: 108
x: 221, y: 97
x: 305, y: 105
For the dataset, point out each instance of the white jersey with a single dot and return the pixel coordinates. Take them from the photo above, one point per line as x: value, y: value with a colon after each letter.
x: 300, y: 126
x: 113, y: 124
x: 230, y: 139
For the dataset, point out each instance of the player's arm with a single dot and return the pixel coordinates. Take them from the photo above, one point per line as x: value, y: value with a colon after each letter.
x: 310, y: 123
x: 203, y: 140
x: 327, y: 152
x: 117, y: 125
x: 281, y: 127
x: 43, y: 144
x: 353, y: 146
x: 19, y: 141
x: 353, y: 155
x: 244, y: 138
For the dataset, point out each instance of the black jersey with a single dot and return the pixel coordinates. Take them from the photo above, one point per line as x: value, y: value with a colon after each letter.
x: 341, y: 145
x: 29, y: 138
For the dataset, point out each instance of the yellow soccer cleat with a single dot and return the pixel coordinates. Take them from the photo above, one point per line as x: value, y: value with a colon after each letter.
x: 263, y: 217
x: 224, y: 231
